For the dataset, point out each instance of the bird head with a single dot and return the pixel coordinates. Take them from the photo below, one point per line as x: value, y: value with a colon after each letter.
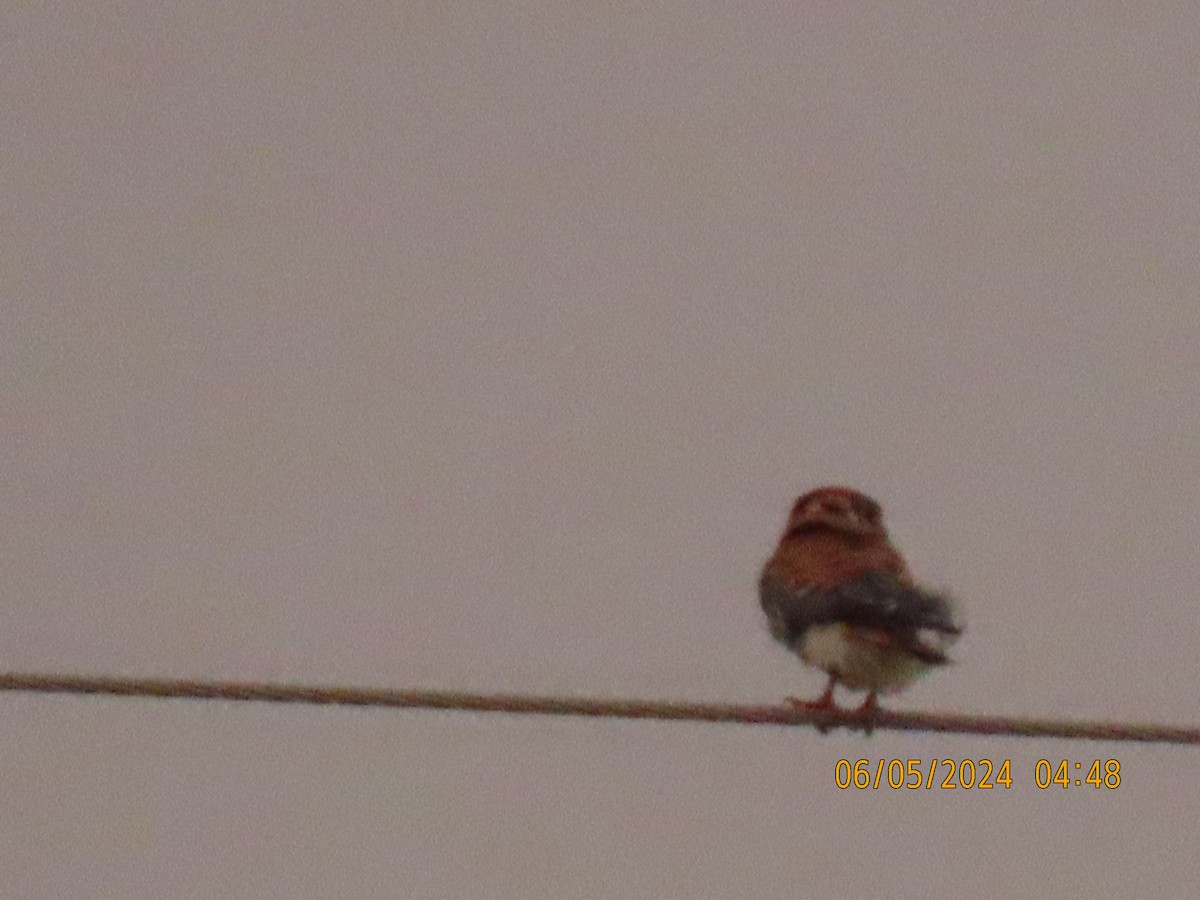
x: 839, y: 509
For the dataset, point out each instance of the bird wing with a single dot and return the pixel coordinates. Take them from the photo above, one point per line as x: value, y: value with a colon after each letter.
x: 877, y: 606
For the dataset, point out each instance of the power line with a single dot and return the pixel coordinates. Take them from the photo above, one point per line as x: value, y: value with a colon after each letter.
x: 464, y: 701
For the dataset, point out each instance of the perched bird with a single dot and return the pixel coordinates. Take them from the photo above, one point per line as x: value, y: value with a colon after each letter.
x: 840, y: 595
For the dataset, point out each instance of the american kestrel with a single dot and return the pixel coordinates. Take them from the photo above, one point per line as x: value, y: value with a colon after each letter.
x: 840, y: 595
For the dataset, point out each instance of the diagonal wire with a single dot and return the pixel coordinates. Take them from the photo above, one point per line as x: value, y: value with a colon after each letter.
x: 266, y: 692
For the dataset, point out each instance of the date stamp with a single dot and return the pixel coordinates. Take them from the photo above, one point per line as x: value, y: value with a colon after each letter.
x: 971, y: 774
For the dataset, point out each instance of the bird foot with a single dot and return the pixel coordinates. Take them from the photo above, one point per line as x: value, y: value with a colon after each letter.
x: 824, y: 703
x: 868, y: 712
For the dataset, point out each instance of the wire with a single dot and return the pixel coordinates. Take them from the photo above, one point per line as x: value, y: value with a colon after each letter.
x: 597, y: 708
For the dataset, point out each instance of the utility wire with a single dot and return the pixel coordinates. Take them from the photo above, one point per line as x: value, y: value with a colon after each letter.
x: 597, y: 708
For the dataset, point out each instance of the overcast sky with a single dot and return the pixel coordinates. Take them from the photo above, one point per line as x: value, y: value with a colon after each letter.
x: 485, y: 347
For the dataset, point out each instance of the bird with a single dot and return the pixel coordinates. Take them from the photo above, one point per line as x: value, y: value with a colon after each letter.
x: 839, y: 594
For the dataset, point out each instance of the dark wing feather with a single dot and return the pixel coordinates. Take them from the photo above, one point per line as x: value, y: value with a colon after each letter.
x: 876, y: 601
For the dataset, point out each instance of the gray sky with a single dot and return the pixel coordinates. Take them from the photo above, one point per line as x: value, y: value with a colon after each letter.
x: 485, y: 346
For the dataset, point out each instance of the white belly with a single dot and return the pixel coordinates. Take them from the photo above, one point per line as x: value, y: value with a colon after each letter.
x: 859, y: 664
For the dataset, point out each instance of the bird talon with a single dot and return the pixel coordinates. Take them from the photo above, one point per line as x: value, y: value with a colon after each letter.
x: 824, y: 703
x: 868, y: 712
